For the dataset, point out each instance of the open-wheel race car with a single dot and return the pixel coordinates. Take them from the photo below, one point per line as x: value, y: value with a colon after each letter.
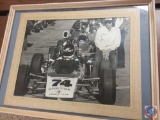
x: 66, y: 74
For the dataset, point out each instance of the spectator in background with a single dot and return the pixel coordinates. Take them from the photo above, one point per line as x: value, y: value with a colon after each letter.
x: 92, y: 34
x: 121, y: 24
x: 29, y: 27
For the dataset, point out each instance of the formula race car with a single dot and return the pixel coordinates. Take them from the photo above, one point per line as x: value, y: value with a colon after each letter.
x: 67, y: 73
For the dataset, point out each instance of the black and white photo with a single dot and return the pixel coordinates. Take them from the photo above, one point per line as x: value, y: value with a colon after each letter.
x: 80, y: 60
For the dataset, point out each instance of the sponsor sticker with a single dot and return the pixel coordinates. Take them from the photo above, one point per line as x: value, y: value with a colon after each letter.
x: 150, y: 112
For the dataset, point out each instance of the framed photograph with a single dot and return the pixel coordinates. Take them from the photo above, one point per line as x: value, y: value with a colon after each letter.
x: 81, y: 60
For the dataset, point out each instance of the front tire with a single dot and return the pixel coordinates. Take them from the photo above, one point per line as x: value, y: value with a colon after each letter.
x: 36, y: 63
x: 21, y: 87
x: 107, y: 87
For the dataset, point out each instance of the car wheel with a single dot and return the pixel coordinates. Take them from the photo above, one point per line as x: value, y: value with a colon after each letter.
x: 21, y: 87
x: 52, y: 52
x: 36, y: 63
x: 107, y: 87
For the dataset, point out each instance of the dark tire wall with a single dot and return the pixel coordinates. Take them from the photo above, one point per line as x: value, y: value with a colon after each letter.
x: 36, y: 63
x: 107, y: 87
x: 22, y: 81
x: 52, y: 52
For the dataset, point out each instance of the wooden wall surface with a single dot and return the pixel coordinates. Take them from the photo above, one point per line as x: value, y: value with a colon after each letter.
x: 3, y: 21
x: 4, y: 9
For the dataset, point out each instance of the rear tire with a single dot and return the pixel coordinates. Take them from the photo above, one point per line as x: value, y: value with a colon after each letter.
x: 107, y: 87
x: 52, y: 52
x: 21, y: 87
x: 36, y: 63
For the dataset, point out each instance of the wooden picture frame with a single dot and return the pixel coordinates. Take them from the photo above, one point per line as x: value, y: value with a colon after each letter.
x: 12, y: 49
